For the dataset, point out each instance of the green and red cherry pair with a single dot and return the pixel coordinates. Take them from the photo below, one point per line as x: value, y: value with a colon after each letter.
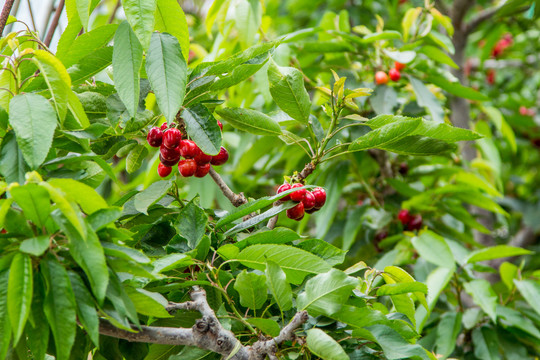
x: 172, y: 147
x: 308, y: 201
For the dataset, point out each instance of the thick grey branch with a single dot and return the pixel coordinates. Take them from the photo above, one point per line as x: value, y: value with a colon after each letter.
x: 235, y: 199
x: 150, y: 334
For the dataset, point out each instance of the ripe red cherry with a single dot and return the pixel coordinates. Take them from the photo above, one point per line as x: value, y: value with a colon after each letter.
x: 221, y: 158
x: 202, y: 158
x: 168, y: 162
x: 188, y: 149
x: 163, y: 170
x: 415, y: 223
x: 171, y: 138
x: 164, y: 126
x: 381, y: 77
x: 311, y: 211
x: 394, y: 74
x: 220, y: 125
x: 154, y: 137
x: 404, y: 216
x: 169, y: 154
x: 523, y: 110
x: 299, y: 194
x: 399, y: 66
x: 320, y: 197
x: 187, y: 167
x: 309, y: 201
x: 202, y: 170
x: 283, y: 188
x: 297, y: 212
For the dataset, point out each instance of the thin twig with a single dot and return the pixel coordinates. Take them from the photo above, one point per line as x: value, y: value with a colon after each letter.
x: 113, y: 14
x: 31, y: 15
x: 5, y: 14
x: 54, y: 23
x: 235, y: 199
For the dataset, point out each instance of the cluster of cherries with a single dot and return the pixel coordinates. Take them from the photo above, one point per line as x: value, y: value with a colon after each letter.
x: 394, y: 74
x: 172, y: 147
x: 410, y: 222
x: 308, y: 201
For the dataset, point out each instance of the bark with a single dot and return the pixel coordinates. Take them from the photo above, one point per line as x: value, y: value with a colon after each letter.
x: 235, y: 199
x: 5, y: 14
x: 54, y: 23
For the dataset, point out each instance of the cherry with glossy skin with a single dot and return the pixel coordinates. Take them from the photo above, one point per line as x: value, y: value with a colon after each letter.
x: 220, y: 125
x: 283, y: 188
x: 202, y: 170
x: 381, y: 78
x: 163, y: 170
x: 395, y: 75
x: 202, y: 158
x: 221, y: 158
x: 297, y: 212
x: 404, y: 216
x: 415, y: 223
x: 168, y: 162
x: 399, y: 66
x: 187, y: 167
x: 320, y: 197
x: 188, y: 149
x: 309, y: 200
x: 169, y: 154
x: 154, y: 137
x: 311, y: 211
x: 171, y: 138
x: 299, y: 194
x: 164, y: 126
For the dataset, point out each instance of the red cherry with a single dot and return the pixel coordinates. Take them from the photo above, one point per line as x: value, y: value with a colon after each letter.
x: 188, y: 149
x: 202, y: 158
x: 299, y: 194
x: 202, y: 170
x: 399, y: 66
x: 221, y: 158
x: 283, y: 188
x: 220, y: 125
x: 171, y: 138
x: 320, y: 197
x: 309, y: 200
x: 415, y: 223
x: 187, y: 167
x: 490, y: 76
x: 311, y: 211
x: 164, y: 126
x: 168, y: 162
x: 523, y: 110
x: 381, y: 77
x: 297, y: 212
x: 169, y: 154
x: 404, y: 216
x: 154, y: 137
x: 394, y: 74
x: 163, y: 170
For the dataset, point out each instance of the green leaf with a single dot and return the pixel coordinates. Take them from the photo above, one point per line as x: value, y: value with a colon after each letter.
x: 384, y: 135
x: 455, y: 88
x: 395, y: 346
x: 12, y: 164
x: 19, y: 294
x: 279, y: 235
x: 35, y: 246
x: 296, y: 263
x: 140, y: 15
x: 335, y: 182
x: 148, y: 303
x: 483, y: 295
x: 167, y: 72
x: 434, y: 249
x: 66, y: 207
x: 328, y: 252
x: 383, y: 35
x: 59, y: 306
x: 124, y: 252
x: 511, y: 317
x: 5, y: 324
x: 89, y: 200
x: 135, y: 158
x: 170, y: 18
x: 502, y: 125
x: 359, y: 317
x: 86, y: 44
x: 34, y: 120
x: 486, y: 344
x: 324, y: 346
x: 35, y: 202
x: 252, y: 289
x: 170, y: 262
x: 419, y: 146
x: 202, y: 127
x: 325, y: 293
x: 37, y: 328
x: 496, y: 252
x: 83, y: 9
x: 250, y: 120
x: 90, y: 65
x: 127, y: 61
x: 530, y: 290
x: 151, y: 195
x: 268, y: 326
x: 288, y: 91
x: 508, y: 272
x: 276, y: 281
x: 191, y: 224
x: 252, y: 221
x: 86, y: 309
x: 384, y: 99
x: 425, y: 98
x: 437, y: 55
x: 401, y: 288
x: 448, y: 330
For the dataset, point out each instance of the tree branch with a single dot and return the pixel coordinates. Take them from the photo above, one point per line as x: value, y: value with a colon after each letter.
x: 54, y: 23
x: 459, y: 10
x: 486, y: 15
x: 113, y: 14
x: 207, y: 333
x: 5, y: 14
x: 235, y: 199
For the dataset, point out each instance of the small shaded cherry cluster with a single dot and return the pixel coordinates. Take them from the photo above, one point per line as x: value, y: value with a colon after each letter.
x: 394, y: 74
x: 308, y: 201
x: 410, y: 222
x: 172, y: 147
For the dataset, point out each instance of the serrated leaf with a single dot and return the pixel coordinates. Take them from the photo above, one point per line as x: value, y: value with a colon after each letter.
x: 202, y: 127
x: 455, y: 88
x: 35, y: 202
x: 85, y: 45
x: 35, y: 246
x: 88, y: 198
x: 148, y: 303
x: 483, y: 295
x: 324, y: 346
x: 384, y: 135
x: 151, y: 195
x: 530, y: 290
x: 140, y: 15
x: 86, y: 309
x: 191, y: 224
x: 401, y: 288
x: 19, y: 294
x: 252, y: 289
x: 135, y: 158
x: 268, y: 326
x: 425, y: 98
x: 276, y: 281
x: 12, y: 164
x: 252, y: 221
x: 251, y: 121
x: 434, y: 249
x: 170, y: 18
